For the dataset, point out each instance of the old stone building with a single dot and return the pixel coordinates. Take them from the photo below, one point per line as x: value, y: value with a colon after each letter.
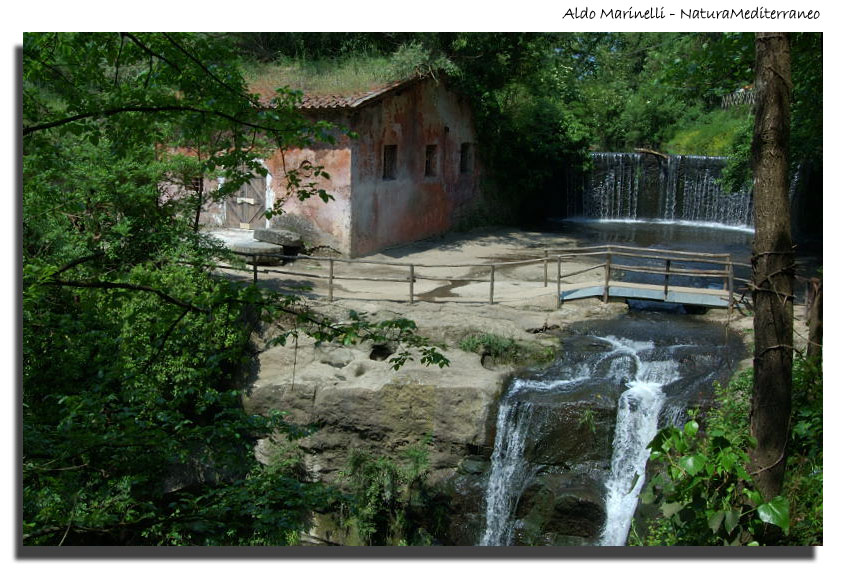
x: 409, y: 172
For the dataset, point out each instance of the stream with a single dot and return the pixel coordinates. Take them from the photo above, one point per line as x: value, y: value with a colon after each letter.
x: 615, y: 384
x: 570, y: 447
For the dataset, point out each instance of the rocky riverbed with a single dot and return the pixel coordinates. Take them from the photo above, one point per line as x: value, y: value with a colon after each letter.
x: 357, y: 401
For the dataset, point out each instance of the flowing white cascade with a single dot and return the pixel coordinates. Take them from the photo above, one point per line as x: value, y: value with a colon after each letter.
x: 510, y: 471
x: 637, y: 423
x: 687, y: 190
x: 639, y: 409
x: 638, y: 412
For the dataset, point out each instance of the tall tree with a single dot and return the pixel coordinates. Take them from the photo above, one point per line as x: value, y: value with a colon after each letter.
x: 773, y: 263
x: 133, y: 349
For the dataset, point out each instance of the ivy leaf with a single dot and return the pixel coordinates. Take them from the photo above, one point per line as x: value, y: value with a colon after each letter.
x: 670, y: 509
x: 775, y: 512
x: 691, y: 428
x: 693, y: 464
x: 731, y: 520
x: 716, y: 520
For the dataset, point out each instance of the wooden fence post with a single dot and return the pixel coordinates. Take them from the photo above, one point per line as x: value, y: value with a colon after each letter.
x: 411, y: 283
x: 255, y: 271
x: 730, y: 283
x: 331, y: 276
x: 546, y: 255
x: 667, y: 276
x: 608, y: 276
x: 491, y: 289
x: 559, y: 280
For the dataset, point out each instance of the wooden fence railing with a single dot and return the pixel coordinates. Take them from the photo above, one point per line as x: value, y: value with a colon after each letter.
x: 667, y: 264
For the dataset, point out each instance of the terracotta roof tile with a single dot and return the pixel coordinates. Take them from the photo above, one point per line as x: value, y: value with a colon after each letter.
x: 353, y: 100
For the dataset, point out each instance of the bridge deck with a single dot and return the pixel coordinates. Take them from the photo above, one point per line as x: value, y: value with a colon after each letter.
x: 718, y: 298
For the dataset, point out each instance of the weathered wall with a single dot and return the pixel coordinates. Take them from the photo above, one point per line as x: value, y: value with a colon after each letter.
x: 368, y: 212
x: 320, y: 223
x: 411, y: 206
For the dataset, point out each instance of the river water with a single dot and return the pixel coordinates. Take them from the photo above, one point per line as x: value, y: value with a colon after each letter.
x: 643, y: 370
x: 618, y: 381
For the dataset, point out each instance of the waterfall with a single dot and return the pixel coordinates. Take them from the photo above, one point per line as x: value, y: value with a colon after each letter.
x: 616, y: 186
x: 654, y: 381
x: 637, y: 423
x: 634, y: 186
x: 509, y: 472
x: 638, y: 413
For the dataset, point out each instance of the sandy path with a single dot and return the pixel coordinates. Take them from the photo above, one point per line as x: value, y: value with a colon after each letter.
x: 451, y: 268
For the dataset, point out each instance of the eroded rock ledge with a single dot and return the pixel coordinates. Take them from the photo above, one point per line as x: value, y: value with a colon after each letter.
x: 357, y: 401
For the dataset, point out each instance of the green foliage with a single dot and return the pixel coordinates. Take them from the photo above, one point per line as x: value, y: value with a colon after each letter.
x: 725, y: 62
x: 529, y: 130
x: 737, y: 175
x: 134, y: 350
x: 627, y: 101
x: 713, y: 133
x: 705, y: 493
x: 389, y: 503
x: 588, y: 420
x: 505, y: 350
x: 344, y: 73
x: 270, y: 46
x: 803, y: 485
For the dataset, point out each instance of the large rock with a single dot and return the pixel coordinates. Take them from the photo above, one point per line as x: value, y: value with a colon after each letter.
x: 291, y: 242
x: 258, y: 251
x: 362, y: 403
x: 563, y: 509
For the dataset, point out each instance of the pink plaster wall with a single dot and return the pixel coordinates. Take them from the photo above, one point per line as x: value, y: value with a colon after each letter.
x: 369, y: 213
x: 412, y: 206
x: 331, y: 220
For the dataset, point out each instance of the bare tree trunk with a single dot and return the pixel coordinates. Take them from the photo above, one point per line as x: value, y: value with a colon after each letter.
x: 814, y: 318
x: 773, y: 264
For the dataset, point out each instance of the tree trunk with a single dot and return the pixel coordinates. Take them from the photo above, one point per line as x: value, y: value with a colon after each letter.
x: 814, y: 318
x: 773, y: 264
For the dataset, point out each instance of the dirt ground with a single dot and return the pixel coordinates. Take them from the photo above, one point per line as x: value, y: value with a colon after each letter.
x: 449, y: 269
x: 523, y: 304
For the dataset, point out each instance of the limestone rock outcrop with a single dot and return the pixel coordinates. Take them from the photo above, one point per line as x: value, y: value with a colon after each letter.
x: 357, y: 402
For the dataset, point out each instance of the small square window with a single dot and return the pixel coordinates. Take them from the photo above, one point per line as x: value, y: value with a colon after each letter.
x: 431, y: 166
x: 465, y: 158
x: 389, y: 162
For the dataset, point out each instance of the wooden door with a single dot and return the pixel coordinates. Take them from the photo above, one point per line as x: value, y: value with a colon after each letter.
x: 246, y: 208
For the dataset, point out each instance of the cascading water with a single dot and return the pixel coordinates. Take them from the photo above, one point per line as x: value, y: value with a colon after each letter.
x: 638, y: 415
x: 633, y: 186
x: 637, y: 423
x: 650, y: 382
x: 616, y: 187
x: 513, y: 471
x: 510, y: 470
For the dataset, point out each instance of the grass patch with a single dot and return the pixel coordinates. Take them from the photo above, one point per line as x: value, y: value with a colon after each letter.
x: 712, y: 133
x: 507, y: 351
x: 346, y: 75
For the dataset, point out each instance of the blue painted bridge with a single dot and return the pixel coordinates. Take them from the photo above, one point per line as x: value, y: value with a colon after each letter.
x: 676, y: 277
x: 714, y: 298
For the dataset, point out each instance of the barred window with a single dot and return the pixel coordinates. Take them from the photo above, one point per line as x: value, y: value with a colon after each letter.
x: 389, y: 162
x: 431, y: 166
x: 465, y: 158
